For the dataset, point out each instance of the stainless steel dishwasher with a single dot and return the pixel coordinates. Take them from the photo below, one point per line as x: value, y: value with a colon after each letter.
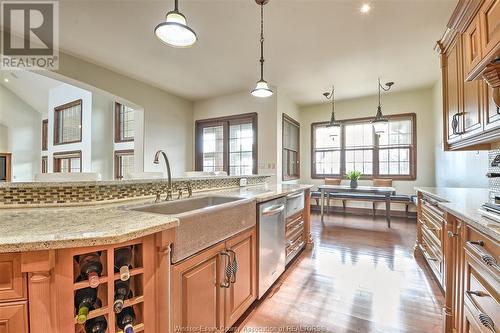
x: 271, y: 243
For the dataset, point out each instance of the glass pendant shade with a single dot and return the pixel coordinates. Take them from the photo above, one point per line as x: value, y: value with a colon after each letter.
x: 380, y: 126
x: 175, y: 32
x: 262, y: 90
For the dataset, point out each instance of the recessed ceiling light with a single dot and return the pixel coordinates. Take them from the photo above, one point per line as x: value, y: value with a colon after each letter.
x: 365, y: 8
x: 5, y: 80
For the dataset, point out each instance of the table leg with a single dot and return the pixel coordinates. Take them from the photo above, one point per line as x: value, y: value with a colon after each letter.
x: 322, y: 200
x: 388, y: 209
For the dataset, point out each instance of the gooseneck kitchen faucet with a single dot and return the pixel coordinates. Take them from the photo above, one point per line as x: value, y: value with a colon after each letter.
x: 169, y: 175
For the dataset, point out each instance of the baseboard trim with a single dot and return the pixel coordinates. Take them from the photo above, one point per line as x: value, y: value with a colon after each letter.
x: 365, y: 211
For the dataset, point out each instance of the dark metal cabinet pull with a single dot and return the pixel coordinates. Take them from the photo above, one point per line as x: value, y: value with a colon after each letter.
x: 477, y: 293
x: 478, y: 243
x: 233, y: 267
x: 489, y: 260
x: 486, y: 321
x: 227, y: 271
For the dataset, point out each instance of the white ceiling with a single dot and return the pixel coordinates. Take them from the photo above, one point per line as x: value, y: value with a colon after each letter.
x: 30, y: 87
x: 310, y: 44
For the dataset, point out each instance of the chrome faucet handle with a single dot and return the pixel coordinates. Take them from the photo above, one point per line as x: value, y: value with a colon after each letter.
x: 169, y: 195
x: 158, y: 197
x: 190, y: 190
x: 179, y: 196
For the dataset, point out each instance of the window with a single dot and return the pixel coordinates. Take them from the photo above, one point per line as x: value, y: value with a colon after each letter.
x: 45, y: 164
x: 45, y: 134
x: 68, y: 162
x: 291, y: 148
x: 124, y: 123
x: 68, y: 123
x: 124, y: 163
x: 227, y: 144
x: 5, y: 167
x: 356, y: 147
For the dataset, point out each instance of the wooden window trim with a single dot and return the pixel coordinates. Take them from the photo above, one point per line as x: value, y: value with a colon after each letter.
x: 8, y: 166
x: 57, y: 111
x: 45, y: 160
x: 118, y: 127
x: 57, y: 167
x: 225, y: 121
x: 117, y: 155
x: 376, y: 149
x: 45, y: 134
x: 287, y: 118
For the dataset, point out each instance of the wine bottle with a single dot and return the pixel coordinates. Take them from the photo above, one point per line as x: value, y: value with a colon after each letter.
x: 96, y: 325
x: 90, y: 267
x: 123, y: 260
x: 85, y: 300
x: 122, y: 292
x: 125, y: 319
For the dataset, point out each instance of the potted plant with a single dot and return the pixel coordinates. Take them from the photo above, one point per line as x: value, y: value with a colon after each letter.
x: 353, y: 176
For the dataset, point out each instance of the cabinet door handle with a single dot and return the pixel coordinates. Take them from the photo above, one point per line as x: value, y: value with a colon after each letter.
x: 486, y: 321
x: 478, y: 243
x: 451, y: 234
x: 489, y: 260
x: 454, y: 124
x: 273, y: 210
x: 294, y: 195
x: 233, y: 267
x: 477, y: 293
x: 227, y: 277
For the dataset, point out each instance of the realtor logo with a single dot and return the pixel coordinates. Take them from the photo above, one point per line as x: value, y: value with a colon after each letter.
x: 30, y: 35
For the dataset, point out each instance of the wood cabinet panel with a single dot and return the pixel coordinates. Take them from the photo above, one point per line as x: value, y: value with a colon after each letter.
x: 243, y: 291
x: 14, y: 317
x: 489, y: 16
x: 12, y: 280
x: 197, y: 295
x: 452, y: 91
x: 472, y: 46
x: 491, y: 110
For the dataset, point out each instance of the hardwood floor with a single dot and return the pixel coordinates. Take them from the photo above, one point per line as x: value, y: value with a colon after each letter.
x: 359, y: 277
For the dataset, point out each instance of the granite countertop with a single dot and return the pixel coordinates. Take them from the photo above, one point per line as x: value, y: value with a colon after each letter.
x: 464, y: 204
x: 32, y: 229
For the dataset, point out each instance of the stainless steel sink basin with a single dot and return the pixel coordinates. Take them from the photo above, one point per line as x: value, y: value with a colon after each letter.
x: 187, y: 205
x: 205, y: 221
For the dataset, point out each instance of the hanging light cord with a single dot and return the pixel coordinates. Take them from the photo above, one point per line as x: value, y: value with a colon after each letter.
x: 176, y: 5
x: 261, y: 42
x: 384, y: 89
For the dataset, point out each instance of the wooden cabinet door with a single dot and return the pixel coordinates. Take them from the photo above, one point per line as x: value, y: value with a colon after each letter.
x: 12, y: 282
x: 14, y: 317
x: 489, y: 16
x: 472, y: 108
x: 243, y: 291
x: 491, y: 110
x: 197, y: 296
x: 453, y: 82
x: 472, y: 46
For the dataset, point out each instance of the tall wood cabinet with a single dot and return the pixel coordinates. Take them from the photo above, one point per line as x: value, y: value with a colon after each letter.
x: 212, y: 289
x: 471, y: 76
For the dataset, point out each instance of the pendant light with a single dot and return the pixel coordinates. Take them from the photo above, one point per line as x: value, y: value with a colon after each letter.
x: 380, y: 123
x: 174, y: 30
x: 333, y: 122
x: 262, y: 89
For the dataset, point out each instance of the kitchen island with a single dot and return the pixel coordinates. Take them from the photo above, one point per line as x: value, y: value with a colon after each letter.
x: 40, y: 249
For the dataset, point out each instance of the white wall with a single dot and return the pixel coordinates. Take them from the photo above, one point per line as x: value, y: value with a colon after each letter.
x: 61, y: 95
x: 102, y: 135
x: 244, y: 102
x: 168, y: 119
x: 417, y: 101
x: 21, y: 128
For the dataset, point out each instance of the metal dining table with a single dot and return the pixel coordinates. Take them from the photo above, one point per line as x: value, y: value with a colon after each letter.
x: 380, y: 190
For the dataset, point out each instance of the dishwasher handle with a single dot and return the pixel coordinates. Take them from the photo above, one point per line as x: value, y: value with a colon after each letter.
x: 294, y: 195
x: 273, y: 210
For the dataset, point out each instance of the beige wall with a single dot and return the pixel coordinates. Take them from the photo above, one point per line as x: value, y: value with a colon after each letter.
x: 241, y: 103
x: 168, y: 119
x: 417, y: 101
x: 453, y: 168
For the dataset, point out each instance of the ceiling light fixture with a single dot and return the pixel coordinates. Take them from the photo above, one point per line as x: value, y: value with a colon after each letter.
x: 380, y: 123
x: 174, y: 30
x: 333, y: 122
x: 262, y: 89
x: 365, y: 8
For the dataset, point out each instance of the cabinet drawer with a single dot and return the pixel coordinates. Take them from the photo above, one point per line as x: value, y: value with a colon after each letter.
x: 484, y: 249
x: 480, y: 294
x: 14, y: 317
x: 12, y: 282
x: 292, y: 233
x: 433, y: 260
x: 470, y: 321
x: 294, y: 203
x: 294, y: 247
x: 435, y: 232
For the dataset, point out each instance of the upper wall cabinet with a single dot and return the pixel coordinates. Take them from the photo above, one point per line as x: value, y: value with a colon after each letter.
x: 470, y: 53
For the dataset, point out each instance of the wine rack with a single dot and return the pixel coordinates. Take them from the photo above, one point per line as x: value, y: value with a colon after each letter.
x: 140, y: 277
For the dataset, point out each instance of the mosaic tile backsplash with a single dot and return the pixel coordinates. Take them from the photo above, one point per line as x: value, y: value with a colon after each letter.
x: 494, y: 183
x: 39, y: 194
